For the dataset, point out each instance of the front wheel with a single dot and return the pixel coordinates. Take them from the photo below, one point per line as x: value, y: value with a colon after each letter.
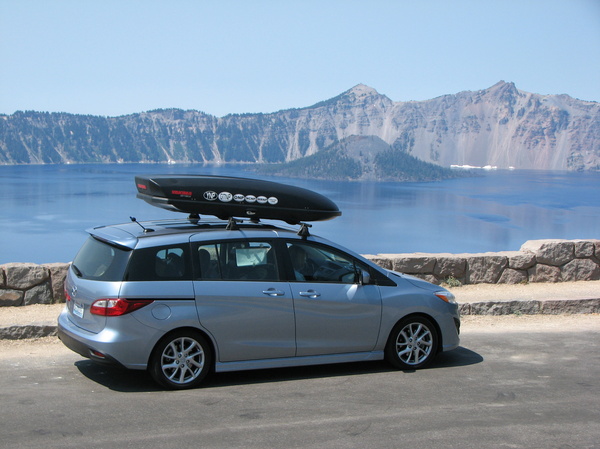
x: 181, y: 360
x: 412, y: 343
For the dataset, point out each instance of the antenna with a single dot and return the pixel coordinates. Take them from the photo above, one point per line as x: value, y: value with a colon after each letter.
x: 146, y: 230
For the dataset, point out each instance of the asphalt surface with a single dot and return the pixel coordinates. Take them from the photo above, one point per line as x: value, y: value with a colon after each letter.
x: 499, y: 299
x: 515, y: 381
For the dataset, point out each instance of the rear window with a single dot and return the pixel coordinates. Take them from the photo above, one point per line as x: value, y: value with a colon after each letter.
x: 100, y: 261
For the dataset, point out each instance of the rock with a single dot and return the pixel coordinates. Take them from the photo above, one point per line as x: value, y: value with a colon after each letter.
x: 584, y: 248
x: 519, y: 260
x: 555, y: 307
x: 580, y: 270
x: 40, y: 294
x: 505, y: 308
x: 383, y: 260
x: 551, y: 252
x: 464, y: 309
x: 485, y: 269
x: 510, y: 276
x: 11, y: 297
x: 22, y: 276
x: 543, y: 273
x: 450, y: 265
x: 58, y: 274
x: 28, y: 331
x: 414, y: 263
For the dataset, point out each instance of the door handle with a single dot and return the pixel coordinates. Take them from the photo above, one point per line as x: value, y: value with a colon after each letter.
x: 310, y: 294
x: 273, y: 292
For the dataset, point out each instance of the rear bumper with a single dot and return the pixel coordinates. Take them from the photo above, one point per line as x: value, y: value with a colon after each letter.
x: 108, y: 346
x: 84, y: 350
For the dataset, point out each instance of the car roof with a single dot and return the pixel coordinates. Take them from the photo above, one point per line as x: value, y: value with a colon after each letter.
x: 146, y: 233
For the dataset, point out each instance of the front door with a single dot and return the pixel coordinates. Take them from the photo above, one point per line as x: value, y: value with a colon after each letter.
x: 335, y: 313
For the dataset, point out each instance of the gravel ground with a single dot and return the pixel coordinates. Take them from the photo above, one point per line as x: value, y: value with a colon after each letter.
x: 36, y: 313
x: 525, y: 292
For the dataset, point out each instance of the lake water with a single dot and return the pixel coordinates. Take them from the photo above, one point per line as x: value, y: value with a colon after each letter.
x: 46, y: 209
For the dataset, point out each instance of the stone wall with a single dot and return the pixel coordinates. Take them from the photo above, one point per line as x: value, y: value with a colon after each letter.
x: 536, y: 261
x: 22, y: 284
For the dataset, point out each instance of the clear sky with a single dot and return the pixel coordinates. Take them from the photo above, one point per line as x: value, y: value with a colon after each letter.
x: 115, y: 57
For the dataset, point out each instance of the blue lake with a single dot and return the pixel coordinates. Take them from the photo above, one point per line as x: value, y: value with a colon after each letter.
x: 45, y: 209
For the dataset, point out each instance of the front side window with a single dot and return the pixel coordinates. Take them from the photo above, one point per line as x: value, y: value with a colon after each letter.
x: 317, y: 263
x: 237, y: 261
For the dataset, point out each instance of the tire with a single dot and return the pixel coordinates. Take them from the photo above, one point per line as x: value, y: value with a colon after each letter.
x: 181, y: 360
x: 413, y: 343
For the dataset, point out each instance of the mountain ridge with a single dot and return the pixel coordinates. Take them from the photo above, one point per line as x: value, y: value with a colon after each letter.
x: 500, y: 126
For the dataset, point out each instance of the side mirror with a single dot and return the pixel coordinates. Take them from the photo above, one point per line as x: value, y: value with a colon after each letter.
x: 364, y: 277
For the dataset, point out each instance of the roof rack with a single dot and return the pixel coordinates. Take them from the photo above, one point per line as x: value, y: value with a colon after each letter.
x: 232, y: 225
x: 304, y: 230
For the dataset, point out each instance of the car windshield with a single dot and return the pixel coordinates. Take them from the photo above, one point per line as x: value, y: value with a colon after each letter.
x: 100, y: 261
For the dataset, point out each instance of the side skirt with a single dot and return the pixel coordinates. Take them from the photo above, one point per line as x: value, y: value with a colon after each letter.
x: 298, y: 361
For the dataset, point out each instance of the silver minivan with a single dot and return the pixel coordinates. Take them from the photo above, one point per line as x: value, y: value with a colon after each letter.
x: 181, y: 298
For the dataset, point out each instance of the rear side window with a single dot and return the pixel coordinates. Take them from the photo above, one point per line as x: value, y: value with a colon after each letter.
x: 100, y: 261
x: 164, y: 263
x: 237, y: 261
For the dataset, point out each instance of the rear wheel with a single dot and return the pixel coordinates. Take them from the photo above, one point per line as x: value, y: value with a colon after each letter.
x: 412, y: 343
x: 181, y: 360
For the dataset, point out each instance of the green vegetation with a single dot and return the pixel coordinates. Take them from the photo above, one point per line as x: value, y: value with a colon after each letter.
x: 323, y: 165
x: 397, y: 165
x: 362, y: 158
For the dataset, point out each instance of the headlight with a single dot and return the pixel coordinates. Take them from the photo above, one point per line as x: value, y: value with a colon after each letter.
x: 445, y: 295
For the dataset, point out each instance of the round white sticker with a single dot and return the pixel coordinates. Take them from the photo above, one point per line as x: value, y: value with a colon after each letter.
x: 210, y: 195
x: 273, y: 200
x: 261, y: 200
x: 250, y: 198
x: 226, y: 197
x: 238, y: 197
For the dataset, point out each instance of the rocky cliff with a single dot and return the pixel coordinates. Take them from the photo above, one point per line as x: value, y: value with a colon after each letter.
x: 500, y: 126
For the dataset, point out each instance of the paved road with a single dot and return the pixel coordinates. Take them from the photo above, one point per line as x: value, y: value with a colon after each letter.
x: 509, y: 385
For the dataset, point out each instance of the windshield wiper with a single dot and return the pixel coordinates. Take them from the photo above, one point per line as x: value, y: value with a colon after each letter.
x: 77, y: 270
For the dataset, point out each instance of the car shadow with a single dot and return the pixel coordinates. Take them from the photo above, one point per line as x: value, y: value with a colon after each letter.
x: 458, y: 357
x: 131, y: 381
x: 117, y: 378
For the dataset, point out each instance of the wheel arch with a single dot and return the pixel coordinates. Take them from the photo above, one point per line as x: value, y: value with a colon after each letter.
x: 203, y: 333
x: 438, y: 330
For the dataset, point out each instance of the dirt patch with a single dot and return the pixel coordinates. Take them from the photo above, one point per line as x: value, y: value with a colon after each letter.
x: 35, y: 313
x: 527, y: 292
x: 530, y: 323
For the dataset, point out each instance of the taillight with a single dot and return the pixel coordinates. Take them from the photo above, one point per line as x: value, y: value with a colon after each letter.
x: 118, y: 306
